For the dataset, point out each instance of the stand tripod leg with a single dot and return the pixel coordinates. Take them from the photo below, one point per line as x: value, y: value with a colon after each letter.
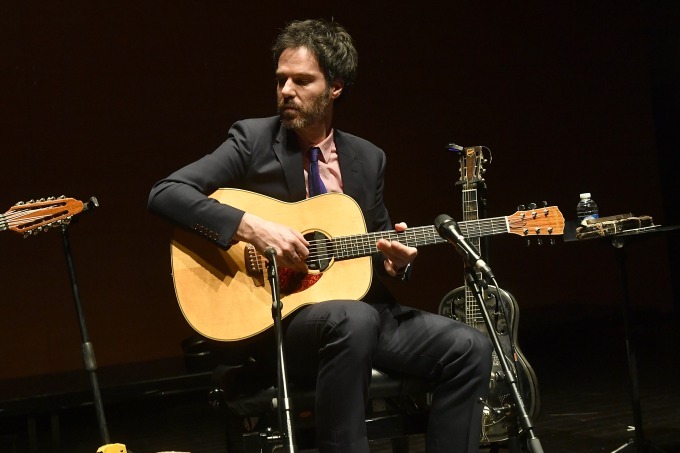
x: 639, y: 447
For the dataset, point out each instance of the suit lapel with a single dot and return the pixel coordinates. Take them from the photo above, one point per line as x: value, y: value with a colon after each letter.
x: 350, y: 167
x: 288, y: 153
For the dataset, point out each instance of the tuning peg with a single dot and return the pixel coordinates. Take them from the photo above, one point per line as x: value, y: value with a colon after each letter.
x: 528, y: 242
x: 545, y: 204
x: 552, y: 241
x: 532, y: 205
x: 521, y: 207
x: 539, y: 241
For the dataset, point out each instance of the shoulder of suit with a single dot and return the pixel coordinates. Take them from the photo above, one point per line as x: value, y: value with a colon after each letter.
x: 268, y: 129
x: 271, y: 121
x: 354, y: 141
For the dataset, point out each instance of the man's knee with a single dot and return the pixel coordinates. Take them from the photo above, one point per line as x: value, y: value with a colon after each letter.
x: 357, y: 323
x: 472, y: 347
x: 481, y: 349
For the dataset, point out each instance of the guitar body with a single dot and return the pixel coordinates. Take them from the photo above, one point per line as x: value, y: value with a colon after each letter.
x: 456, y: 306
x: 225, y: 295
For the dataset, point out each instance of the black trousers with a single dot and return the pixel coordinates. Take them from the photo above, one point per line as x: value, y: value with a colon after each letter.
x: 338, y: 342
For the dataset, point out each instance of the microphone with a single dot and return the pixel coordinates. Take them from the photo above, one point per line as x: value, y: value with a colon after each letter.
x: 270, y: 254
x: 448, y: 229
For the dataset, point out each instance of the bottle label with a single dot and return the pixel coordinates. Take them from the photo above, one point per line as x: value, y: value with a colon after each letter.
x: 583, y: 220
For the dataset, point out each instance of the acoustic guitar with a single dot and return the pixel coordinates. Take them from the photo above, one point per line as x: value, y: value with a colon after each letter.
x: 225, y: 295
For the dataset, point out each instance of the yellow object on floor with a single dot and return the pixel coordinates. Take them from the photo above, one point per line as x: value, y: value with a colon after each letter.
x: 112, y: 448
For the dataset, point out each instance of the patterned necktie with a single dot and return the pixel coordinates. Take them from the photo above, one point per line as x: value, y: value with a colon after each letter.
x: 316, y: 186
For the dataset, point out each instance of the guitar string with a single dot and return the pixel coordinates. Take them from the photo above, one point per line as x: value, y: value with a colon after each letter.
x: 347, y: 246
x: 23, y: 217
x: 23, y: 210
x: 364, y: 244
x: 417, y: 236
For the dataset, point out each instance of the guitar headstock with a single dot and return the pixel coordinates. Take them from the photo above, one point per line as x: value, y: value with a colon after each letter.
x: 472, y: 160
x: 35, y: 216
x: 533, y: 221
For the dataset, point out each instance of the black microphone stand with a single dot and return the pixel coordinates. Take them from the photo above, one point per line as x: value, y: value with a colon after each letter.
x: 522, y: 416
x: 284, y: 403
x: 87, y: 348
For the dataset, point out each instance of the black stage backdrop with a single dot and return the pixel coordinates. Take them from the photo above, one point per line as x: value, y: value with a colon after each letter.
x: 104, y: 99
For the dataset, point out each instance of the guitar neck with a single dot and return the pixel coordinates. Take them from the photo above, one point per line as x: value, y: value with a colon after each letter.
x: 471, y: 213
x: 473, y: 315
x: 356, y: 246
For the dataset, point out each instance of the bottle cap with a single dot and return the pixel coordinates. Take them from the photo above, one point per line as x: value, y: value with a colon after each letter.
x: 585, y: 195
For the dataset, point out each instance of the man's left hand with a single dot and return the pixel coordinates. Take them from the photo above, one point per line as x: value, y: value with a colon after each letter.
x: 397, y: 255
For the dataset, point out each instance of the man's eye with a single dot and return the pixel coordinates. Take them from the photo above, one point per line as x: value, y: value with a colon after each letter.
x: 301, y: 82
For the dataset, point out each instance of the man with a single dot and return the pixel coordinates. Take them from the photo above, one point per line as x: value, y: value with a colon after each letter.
x: 336, y: 341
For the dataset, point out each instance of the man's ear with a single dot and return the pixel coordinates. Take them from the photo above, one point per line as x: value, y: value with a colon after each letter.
x: 336, y: 88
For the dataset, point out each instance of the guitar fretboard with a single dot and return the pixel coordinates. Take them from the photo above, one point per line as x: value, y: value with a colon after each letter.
x: 473, y: 316
x: 356, y: 246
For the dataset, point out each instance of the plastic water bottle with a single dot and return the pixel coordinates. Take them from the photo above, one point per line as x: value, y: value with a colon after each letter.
x: 586, y: 209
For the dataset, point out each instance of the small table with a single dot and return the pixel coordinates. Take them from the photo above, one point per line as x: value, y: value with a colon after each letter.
x: 618, y: 240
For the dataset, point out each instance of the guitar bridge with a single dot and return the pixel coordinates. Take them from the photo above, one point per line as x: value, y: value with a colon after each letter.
x: 253, y: 264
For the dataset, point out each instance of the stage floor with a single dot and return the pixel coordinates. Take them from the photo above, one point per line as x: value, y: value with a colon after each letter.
x: 580, y: 363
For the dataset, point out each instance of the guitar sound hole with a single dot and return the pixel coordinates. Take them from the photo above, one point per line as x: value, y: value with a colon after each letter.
x: 321, y: 251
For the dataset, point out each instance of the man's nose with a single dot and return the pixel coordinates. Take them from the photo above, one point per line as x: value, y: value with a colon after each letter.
x: 288, y: 89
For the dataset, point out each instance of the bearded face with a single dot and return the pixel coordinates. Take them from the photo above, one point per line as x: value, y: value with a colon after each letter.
x: 297, y: 115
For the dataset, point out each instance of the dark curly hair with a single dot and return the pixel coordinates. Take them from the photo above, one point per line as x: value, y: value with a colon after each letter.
x: 328, y: 41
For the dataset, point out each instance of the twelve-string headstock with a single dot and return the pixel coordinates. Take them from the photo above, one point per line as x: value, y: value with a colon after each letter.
x: 35, y: 216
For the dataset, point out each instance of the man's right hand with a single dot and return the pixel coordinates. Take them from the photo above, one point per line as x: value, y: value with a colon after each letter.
x: 290, y: 245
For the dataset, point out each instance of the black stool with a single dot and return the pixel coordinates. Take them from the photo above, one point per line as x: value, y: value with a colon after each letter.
x: 397, y: 408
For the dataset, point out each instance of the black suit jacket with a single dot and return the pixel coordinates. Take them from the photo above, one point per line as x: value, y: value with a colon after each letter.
x: 262, y: 156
